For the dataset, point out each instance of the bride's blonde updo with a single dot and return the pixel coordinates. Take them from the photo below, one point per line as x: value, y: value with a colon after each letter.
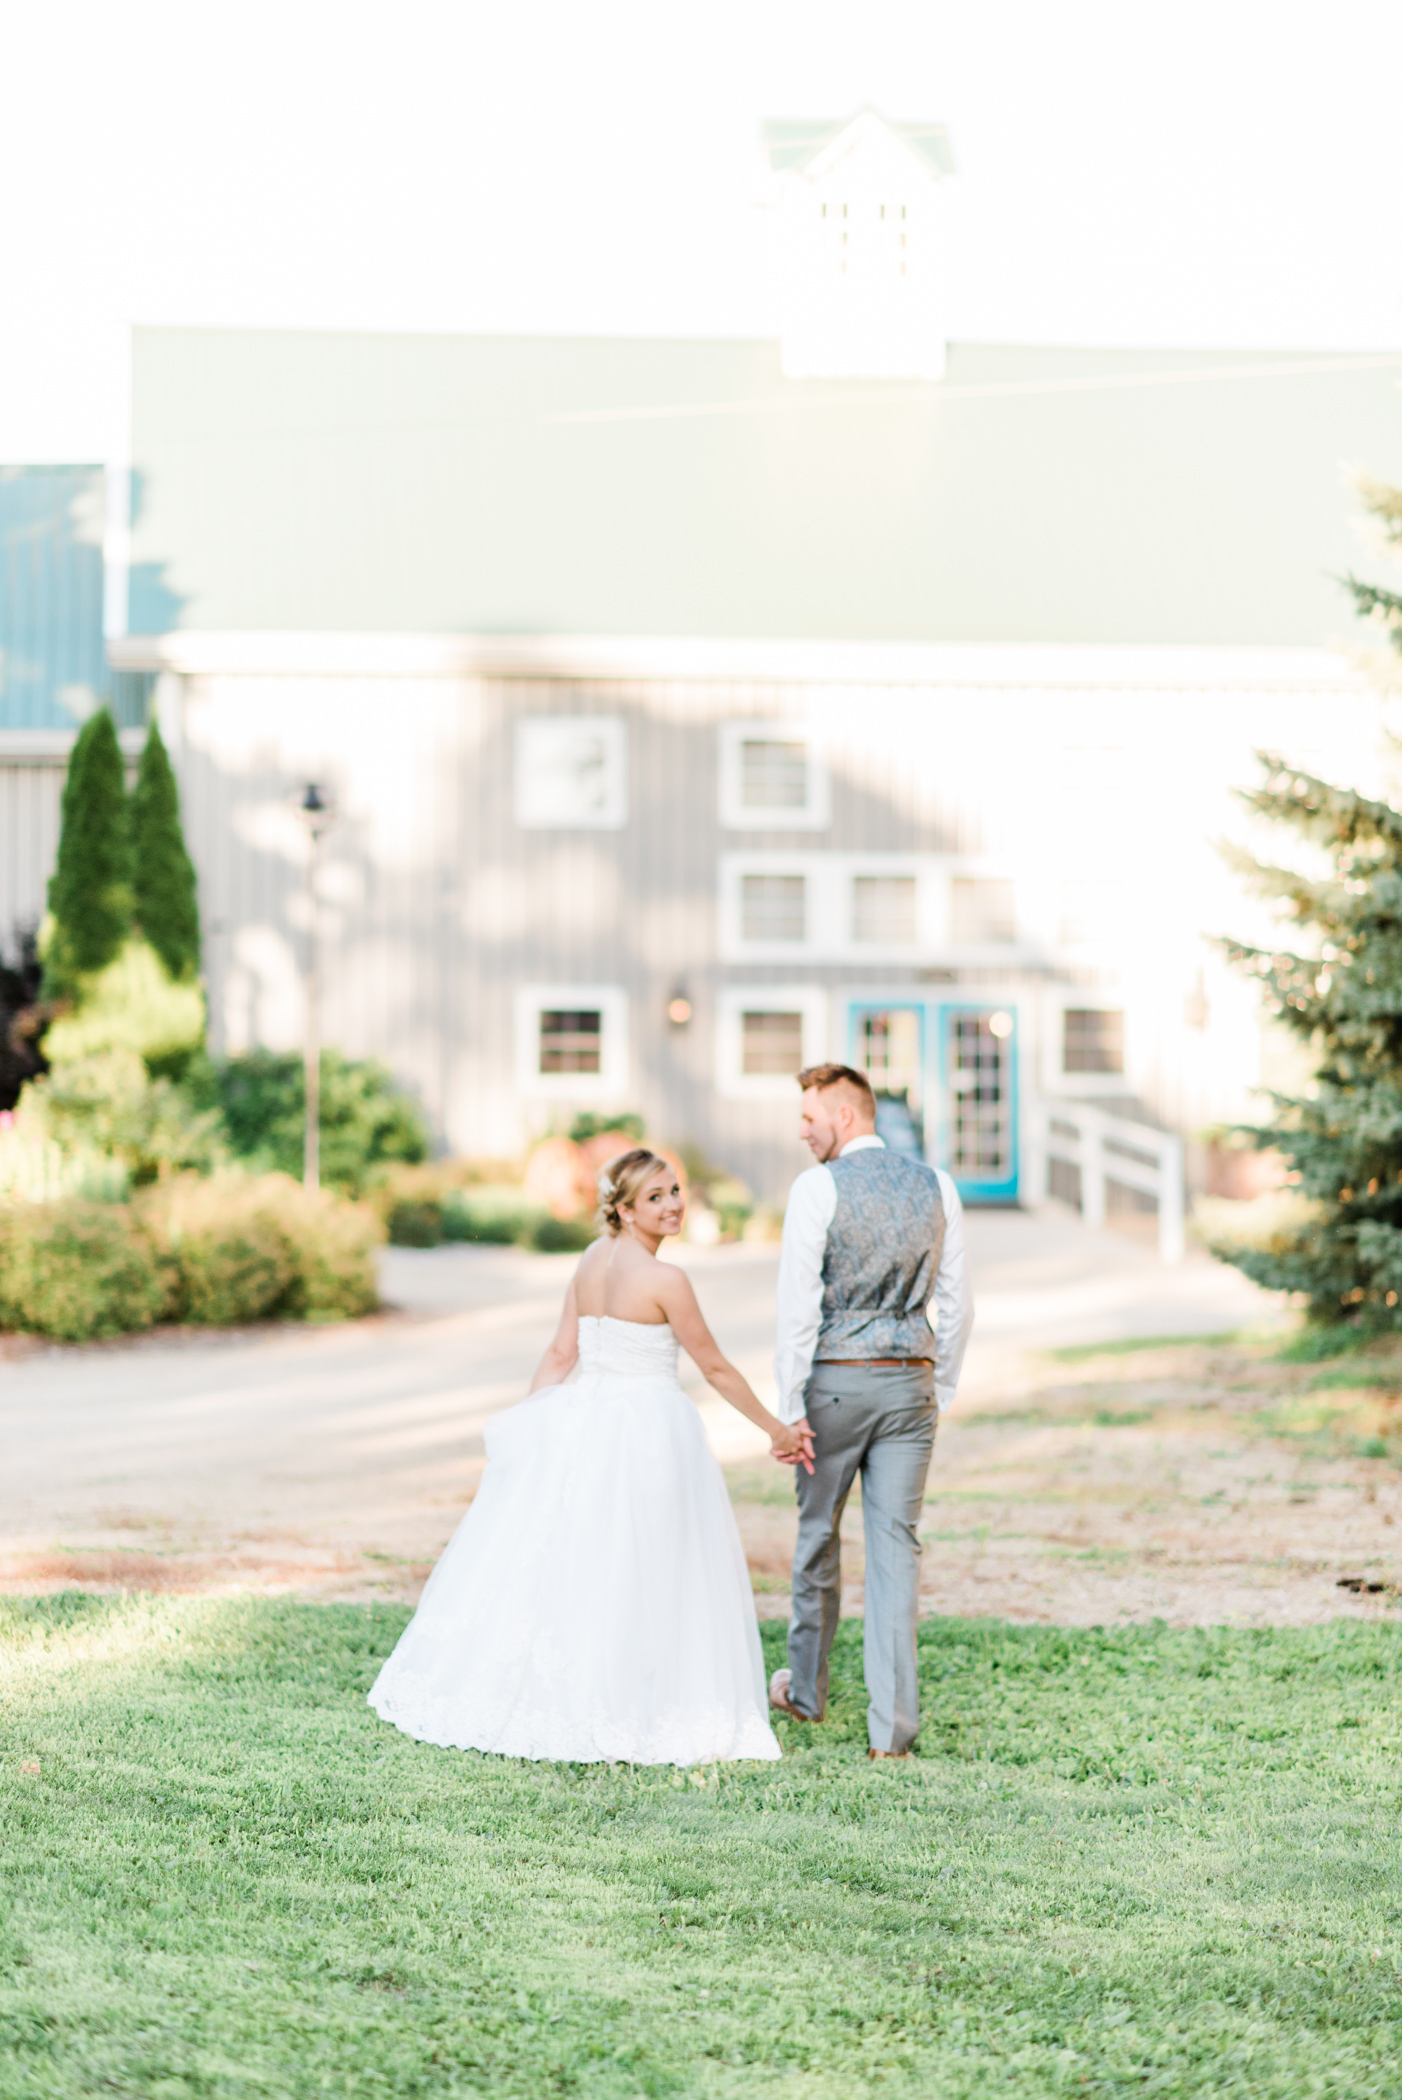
x: 622, y: 1179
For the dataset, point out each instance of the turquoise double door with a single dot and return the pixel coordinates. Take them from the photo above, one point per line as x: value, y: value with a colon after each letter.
x: 945, y: 1077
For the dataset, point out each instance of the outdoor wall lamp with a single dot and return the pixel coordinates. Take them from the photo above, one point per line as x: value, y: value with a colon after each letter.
x: 679, y: 1008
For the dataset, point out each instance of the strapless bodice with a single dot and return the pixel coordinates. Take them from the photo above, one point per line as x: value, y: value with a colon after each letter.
x: 626, y: 1348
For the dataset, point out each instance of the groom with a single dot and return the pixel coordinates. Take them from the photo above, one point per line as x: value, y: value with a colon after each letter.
x: 870, y: 1238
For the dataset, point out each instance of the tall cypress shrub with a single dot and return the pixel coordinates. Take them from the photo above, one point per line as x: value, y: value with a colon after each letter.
x: 90, y: 888
x: 163, y: 876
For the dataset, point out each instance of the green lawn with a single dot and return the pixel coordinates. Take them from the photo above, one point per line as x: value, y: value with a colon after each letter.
x: 1138, y: 1862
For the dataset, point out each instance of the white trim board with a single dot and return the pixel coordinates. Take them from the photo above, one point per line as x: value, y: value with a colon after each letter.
x: 733, y: 1084
x: 611, y: 1082
x: 46, y: 747
x: 1022, y: 664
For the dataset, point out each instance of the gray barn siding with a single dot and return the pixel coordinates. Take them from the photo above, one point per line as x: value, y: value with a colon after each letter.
x: 425, y: 947
x: 30, y: 792
x: 438, y: 906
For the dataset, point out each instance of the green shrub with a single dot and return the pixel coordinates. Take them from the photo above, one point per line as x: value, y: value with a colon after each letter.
x: 132, y: 1004
x: 560, y: 1235
x: 415, y: 1223
x: 490, y: 1216
x: 588, y: 1124
x: 77, y: 1271
x: 90, y: 888
x: 254, y: 1247
x: 366, y: 1122
x: 164, y: 899
x: 335, y: 1243
x: 226, y: 1250
x: 109, y: 1105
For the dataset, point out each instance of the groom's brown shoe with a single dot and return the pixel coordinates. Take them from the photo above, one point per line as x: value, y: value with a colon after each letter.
x: 779, y: 1697
x: 888, y: 1753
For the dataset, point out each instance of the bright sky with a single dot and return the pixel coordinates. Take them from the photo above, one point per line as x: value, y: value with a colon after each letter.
x: 1215, y: 172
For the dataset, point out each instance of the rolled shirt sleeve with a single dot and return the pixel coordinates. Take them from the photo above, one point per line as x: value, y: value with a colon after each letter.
x: 811, y: 1207
x: 951, y: 1303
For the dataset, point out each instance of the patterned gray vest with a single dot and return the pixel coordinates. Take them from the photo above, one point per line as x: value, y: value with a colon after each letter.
x: 883, y: 1254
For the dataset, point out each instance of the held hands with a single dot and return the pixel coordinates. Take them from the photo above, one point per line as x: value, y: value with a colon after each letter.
x: 792, y: 1444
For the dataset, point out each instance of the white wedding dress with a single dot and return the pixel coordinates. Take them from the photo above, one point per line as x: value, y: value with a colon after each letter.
x: 594, y: 1603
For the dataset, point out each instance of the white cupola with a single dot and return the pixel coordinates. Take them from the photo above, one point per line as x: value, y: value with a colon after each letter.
x: 858, y: 234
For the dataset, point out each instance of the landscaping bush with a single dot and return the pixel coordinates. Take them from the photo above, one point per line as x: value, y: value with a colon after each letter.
x: 490, y: 1216
x: 109, y: 1105
x: 335, y: 1242
x: 366, y: 1122
x: 226, y: 1250
x: 560, y: 1235
x: 251, y: 1247
x: 77, y: 1271
x: 414, y: 1224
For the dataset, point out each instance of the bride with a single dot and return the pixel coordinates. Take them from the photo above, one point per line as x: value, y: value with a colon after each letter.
x: 594, y: 1603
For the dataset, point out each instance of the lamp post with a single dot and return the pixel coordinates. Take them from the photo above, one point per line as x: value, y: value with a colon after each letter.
x: 315, y: 811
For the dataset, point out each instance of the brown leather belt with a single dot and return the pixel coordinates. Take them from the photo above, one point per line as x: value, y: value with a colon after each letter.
x: 869, y: 1363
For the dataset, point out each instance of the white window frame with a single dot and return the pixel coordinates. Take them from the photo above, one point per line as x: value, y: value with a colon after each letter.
x: 1075, y: 1085
x: 613, y: 730
x: 607, y: 1084
x: 829, y: 910
x: 816, y: 813
x: 733, y: 1083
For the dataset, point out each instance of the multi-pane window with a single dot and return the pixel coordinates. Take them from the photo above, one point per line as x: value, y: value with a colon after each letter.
x: 771, y: 1044
x: 571, y: 1039
x: 982, y: 911
x: 773, y: 775
x: 773, y: 908
x: 982, y: 1107
x: 1092, y: 1039
x: 883, y: 910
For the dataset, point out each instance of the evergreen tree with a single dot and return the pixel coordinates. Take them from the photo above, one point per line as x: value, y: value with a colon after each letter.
x: 90, y: 888
x: 163, y: 878
x: 1339, y: 988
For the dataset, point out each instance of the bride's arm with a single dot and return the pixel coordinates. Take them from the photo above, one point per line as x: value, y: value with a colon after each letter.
x: 560, y: 1358
x: 678, y: 1300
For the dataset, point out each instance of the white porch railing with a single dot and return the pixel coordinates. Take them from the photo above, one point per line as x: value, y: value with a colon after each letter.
x: 1110, y: 1148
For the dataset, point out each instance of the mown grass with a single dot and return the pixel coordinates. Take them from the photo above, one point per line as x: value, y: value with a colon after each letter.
x: 1130, y: 1862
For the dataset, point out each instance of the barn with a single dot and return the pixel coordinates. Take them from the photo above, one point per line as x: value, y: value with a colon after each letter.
x: 691, y: 710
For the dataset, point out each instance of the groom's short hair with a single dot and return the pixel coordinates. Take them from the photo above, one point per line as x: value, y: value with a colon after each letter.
x: 824, y: 1076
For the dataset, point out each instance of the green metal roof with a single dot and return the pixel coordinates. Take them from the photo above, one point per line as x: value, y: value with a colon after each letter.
x: 537, y: 485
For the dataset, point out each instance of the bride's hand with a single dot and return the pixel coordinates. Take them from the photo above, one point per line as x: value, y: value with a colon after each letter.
x: 792, y: 1444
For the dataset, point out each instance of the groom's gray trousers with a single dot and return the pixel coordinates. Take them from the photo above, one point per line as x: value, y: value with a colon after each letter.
x: 877, y: 1420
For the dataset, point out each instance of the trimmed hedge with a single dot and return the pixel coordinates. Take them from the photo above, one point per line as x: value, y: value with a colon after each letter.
x: 216, y: 1253
x: 77, y: 1271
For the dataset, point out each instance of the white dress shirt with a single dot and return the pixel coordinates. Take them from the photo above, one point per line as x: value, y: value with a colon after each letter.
x: 812, y: 1207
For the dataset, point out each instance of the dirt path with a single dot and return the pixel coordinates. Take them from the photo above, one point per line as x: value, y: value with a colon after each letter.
x: 1190, y: 1483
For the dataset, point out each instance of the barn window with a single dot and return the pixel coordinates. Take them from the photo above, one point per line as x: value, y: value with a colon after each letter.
x: 572, y: 1042
x: 773, y: 908
x: 571, y: 772
x: 884, y: 910
x: 1093, y: 1039
x: 772, y: 778
x: 771, y: 1043
x: 773, y: 775
x: 571, y: 1039
x: 982, y: 911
